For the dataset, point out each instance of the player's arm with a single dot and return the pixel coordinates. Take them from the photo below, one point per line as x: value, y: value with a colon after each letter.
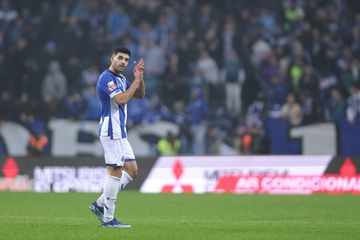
x: 124, y: 97
x: 133, y: 90
x: 140, y: 92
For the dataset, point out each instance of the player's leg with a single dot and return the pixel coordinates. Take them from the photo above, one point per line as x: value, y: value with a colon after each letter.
x: 111, y: 190
x: 104, y: 206
x: 128, y: 174
x: 101, y: 200
x: 114, y: 159
x: 130, y: 170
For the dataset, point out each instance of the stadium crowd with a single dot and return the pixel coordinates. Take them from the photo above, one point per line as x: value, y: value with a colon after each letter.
x: 218, y: 69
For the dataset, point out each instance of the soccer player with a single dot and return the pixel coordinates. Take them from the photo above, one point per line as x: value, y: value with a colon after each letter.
x: 114, y: 92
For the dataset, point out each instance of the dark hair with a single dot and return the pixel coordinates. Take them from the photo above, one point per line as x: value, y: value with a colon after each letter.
x: 121, y: 49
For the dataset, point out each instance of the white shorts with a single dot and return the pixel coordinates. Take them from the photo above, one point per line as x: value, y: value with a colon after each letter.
x: 117, y: 151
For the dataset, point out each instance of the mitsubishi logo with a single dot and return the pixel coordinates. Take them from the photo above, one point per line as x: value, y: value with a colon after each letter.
x: 10, y: 169
x: 348, y: 168
x: 178, y: 171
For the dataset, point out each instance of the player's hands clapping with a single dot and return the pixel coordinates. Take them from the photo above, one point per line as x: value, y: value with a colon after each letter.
x: 139, y: 70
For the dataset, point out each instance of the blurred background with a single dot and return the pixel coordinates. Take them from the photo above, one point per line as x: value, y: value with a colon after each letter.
x: 234, y: 78
x: 222, y: 78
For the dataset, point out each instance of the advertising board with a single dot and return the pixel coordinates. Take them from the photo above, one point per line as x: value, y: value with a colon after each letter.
x: 45, y: 174
x: 254, y: 174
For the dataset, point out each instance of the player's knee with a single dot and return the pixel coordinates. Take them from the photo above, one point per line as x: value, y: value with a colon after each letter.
x: 114, y: 171
x: 133, y: 173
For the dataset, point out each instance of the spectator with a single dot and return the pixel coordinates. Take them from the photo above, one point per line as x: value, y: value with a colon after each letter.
x: 209, y: 71
x: 336, y: 106
x: 89, y: 76
x: 275, y: 91
x: 169, y: 145
x: 54, y: 83
x: 255, y: 112
x: 92, y: 104
x: 234, y: 76
x: 118, y: 22
x: 37, y: 145
x: 174, y: 88
x: 74, y: 106
x: 350, y: 74
x: 7, y: 13
x: 291, y: 110
x: 293, y: 14
x: 197, y: 111
x: 154, y: 56
x: 137, y: 112
x: 353, y: 109
x: 213, y: 141
x: 296, y: 73
x: 261, y: 50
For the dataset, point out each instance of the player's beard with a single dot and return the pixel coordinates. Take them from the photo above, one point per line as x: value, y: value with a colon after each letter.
x: 118, y: 68
x: 121, y: 68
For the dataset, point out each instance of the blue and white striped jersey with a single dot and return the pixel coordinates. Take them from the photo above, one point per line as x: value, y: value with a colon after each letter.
x: 113, y: 116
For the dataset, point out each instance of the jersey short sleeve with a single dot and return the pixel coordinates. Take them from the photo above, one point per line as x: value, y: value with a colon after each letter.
x: 108, y: 85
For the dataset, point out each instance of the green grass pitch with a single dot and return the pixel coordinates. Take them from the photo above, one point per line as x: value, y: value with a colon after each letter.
x: 181, y: 216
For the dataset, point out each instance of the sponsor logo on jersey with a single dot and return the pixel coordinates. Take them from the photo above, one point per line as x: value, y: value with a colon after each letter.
x: 111, y: 86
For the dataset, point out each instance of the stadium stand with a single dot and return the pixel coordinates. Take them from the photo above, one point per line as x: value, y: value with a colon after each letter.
x: 221, y: 70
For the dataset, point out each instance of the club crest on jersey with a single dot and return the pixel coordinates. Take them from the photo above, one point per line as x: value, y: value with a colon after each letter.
x: 111, y: 86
